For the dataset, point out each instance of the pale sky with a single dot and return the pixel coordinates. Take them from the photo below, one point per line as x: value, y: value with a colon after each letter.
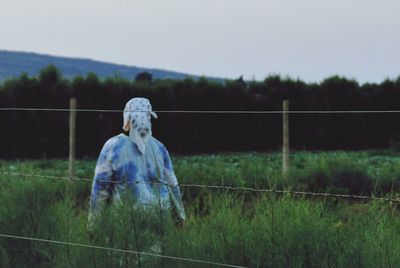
x: 308, y: 39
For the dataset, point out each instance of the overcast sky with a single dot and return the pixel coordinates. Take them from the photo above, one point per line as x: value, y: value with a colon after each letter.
x: 308, y: 39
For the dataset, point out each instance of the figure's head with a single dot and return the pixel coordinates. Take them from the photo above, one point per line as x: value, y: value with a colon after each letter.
x: 137, y: 105
x: 137, y: 120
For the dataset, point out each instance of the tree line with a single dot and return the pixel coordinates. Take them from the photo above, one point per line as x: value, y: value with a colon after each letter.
x: 45, y: 133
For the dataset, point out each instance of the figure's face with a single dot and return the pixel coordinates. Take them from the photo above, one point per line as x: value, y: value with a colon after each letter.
x: 141, y: 125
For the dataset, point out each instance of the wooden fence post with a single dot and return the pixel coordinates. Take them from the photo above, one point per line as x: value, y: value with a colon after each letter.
x: 72, y: 132
x: 285, y: 147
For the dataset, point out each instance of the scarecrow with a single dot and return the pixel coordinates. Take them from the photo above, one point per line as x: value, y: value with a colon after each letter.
x: 137, y: 164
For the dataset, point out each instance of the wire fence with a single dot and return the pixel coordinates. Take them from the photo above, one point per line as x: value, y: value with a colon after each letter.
x: 206, y: 111
x: 215, y: 187
x: 183, y: 259
x: 188, y: 185
x: 120, y: 250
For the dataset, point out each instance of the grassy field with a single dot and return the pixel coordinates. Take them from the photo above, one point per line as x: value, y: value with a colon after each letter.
x: 255, y: 230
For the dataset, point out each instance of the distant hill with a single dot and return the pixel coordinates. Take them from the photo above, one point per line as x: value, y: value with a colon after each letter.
x: 12, y: 64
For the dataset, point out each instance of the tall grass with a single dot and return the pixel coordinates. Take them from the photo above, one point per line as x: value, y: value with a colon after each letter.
x: 237, y: 228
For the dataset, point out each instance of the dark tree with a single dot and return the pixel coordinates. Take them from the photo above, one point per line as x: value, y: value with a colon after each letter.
x: 240, y: 82
x: 45, y: 133
x: 144, y: 77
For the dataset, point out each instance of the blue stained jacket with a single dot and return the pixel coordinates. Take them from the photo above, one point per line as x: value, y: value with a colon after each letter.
x: 121, y: 168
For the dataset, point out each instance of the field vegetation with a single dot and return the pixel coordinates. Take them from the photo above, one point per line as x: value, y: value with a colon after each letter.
x: 235, y: 227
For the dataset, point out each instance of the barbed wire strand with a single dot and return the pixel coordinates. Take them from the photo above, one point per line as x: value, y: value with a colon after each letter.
x: 203, y: 111
x: 117, y: 250
x: 219, y: 187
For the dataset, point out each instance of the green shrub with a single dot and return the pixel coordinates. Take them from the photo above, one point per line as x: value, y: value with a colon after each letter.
x: 335, y: 176
x: 242, y: 228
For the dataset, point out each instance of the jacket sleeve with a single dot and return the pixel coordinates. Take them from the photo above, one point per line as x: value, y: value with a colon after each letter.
x: 101, y: 185
x: 173, y: 186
